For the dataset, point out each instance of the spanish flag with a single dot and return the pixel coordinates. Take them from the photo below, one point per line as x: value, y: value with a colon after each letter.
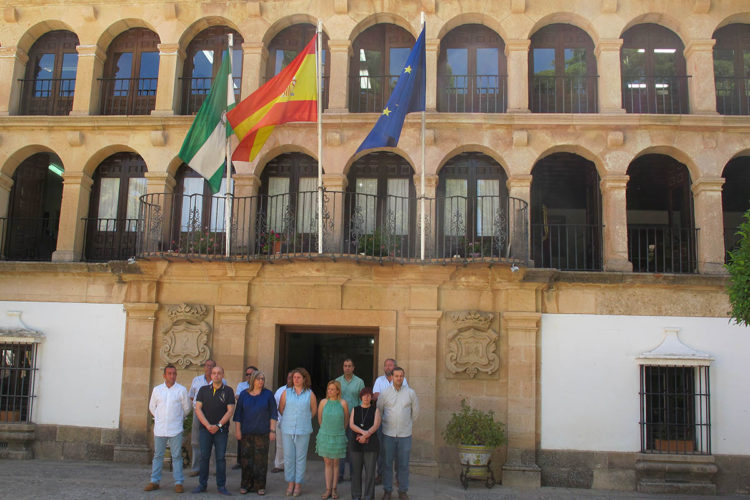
x: 290, y: 96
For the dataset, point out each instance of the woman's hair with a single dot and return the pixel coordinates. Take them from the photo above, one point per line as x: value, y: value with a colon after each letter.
x: 365, y: 390
x: 337, y: 385
x: 306, y: 383
x: 256, y: 374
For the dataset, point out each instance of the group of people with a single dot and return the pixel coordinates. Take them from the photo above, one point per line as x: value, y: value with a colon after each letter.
x: 364, y: 427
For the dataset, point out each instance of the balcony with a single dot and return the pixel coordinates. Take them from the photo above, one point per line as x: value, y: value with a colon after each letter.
x: 109, y: 239
x: 563, y: 94
x: 195, y: 91
x: 127, y: 96
x: 568, y: 247
x: 47, y: 97
x: 655, y: 94
x: 472, y: 93
x: 369, y: 94
x: 732, y: 95
x: 662, y: 249
x: 28, y: 238
x: 355, y: 226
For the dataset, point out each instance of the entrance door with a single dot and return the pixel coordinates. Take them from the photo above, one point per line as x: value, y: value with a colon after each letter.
x: 322, y: 352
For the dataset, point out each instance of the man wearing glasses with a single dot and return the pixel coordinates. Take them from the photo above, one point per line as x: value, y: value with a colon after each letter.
x: 243, y: 385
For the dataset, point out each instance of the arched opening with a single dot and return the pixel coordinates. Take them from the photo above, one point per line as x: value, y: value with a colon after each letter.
x: 732, y: 69
x: 50, y: 81
x: 566, y: 228
x: 735, y: 198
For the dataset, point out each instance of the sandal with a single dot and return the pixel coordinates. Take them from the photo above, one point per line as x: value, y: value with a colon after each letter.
x: 334, y: 493
x: 297, y: 490
x: 326, y: 494
x: 243, y: 491
x: 261, y: 492
x: 290, y: 490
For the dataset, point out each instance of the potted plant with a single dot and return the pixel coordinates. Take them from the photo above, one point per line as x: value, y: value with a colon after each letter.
x: 477, y: 434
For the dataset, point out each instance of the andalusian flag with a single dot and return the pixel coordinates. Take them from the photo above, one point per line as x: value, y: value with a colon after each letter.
x: 204, y: 148
x: 290, y: 96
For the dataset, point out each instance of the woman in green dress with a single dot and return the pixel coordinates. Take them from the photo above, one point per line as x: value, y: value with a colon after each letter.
x: 331, y: 442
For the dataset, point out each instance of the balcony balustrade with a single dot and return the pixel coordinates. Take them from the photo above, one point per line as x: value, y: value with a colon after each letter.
x: 563, y: 94
x: 655, y: 94
x: 28, y: 238
x: 127, y: 96
x: 732, y: 95
x: 568, y: 247
x: 109, y: 239
x: 472, y: 93
x: 662, y: 249
x: 52, y: 96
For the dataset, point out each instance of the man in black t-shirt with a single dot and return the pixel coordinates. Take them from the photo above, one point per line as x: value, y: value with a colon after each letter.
x: 214, y: 406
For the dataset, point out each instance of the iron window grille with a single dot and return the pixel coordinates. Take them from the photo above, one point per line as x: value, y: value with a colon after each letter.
x: 17, y: 372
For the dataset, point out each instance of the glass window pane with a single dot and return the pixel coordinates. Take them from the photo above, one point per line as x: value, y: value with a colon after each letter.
x: 575, y: 62
x: 454, y: 216
x: 218, y: 202
x: 108, y: 196
x: 307, y: 205
x: 192, y: 203
x: 488, y: 205
x: 746, y: 61
x: 283, y: 58
x: 398, y: 57
x: 633, y: 63
x: 457, y: 61
x: 68, y: 74
x: 544, y: 62
x: 723, y: 63
x: 278, y: 203
x: 45, y: 67
x: 136, y: 189
x: 397, y: 216
x: 149, y: 65
x: 665, y: 62
x: 487, y: 61
x: 123, y: 65
x: 367, y: 191
x: 203, y: 64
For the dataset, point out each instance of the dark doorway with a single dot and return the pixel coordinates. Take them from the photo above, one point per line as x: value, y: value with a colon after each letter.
x: 322, y: 352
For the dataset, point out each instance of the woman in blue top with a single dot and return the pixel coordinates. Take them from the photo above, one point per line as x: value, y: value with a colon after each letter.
x: 331, y: 440
x: 255, y: 425
x: 298, y: 406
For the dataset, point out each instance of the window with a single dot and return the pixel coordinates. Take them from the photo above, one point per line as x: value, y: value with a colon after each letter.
x: 471, y: 71
x: 202, y: 63
x: 131, y: 74
x: 378, y: 56
x: 17, y: 370
x: 562, y: 71
x: 654, y: 76
x: 287, y: 45
x: 50, y: 81
x: 732, y: 69
x: 675, y: 410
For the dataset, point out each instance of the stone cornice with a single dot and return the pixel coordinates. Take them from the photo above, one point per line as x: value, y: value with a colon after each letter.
x: 624, y: 278
x: 695, y: 46
x: 708, y: 184
x: 608, y: 45
x: 614, y: 182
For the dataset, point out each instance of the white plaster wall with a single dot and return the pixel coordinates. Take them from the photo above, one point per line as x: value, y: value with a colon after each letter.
x: 80, y: 362
x: 590, y: 379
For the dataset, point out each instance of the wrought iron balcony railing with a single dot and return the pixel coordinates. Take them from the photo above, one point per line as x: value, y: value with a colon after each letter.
x: 568, y: 247
x: 109, y: 239
x: 370, y: 93
x: 655, y: 94
x: 47, y: 96
x: 28, y: 238
x: 357, y: 226
x: 195, y: 91
x: 563, y: 94
x: 662, y: 249
x: 732, y: 95
x: 128, y: 96
x: 472, y: 93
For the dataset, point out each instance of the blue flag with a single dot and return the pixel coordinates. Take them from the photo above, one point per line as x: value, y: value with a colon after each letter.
x: 408, y: 96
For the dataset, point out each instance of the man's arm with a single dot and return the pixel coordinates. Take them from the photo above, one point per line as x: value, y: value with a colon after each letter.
x: 153, y: 402
x: 185, y: 400
x: 227, y: 416
x: 414, y: 406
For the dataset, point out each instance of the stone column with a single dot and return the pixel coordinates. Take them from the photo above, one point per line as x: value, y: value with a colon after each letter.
x: 615, y: 222
x: 519, y: 187
x: 245, y: 212
x: 709, y: 219
x: 432, y: 48
x: 254, y: 56
x: 338, y: 100
x: 334, y: 202
x: 230, y: 333
x: 699, y: 57
x: 12, y: 65
x: 521, y: 332
x: 6, y: 184
x: 73, y: 208
x: 167, y: 90
x: 90, y: 67
x: 609, y: 88
x: 136, y: 383
x: 422, y: 374
x: 517, y: 55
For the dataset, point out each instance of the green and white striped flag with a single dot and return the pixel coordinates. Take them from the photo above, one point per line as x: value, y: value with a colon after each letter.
x: 204, y: 148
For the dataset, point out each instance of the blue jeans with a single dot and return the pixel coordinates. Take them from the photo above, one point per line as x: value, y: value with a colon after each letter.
x: 348, y: 458
x: 219, y: 443
x: 295, y: 457
x: 175, y: 447
x: 399, y: 449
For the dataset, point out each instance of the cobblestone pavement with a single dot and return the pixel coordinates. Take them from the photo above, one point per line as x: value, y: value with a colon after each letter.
x: 39, y: 479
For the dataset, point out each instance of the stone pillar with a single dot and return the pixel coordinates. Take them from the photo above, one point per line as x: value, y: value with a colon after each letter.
x: 422, y: 374
x: 338, y: 101
x: 615, y: 222
x: 432, y: 48
x: 136, y: 383
x: 90, y: 67
x: 254, y: 56
x: 517, y: 55
x: 245, y: 212
x: 609, y: 88
x: 12, y: 65
x: 230, y: 333
x: 334, y: 202
x: 73, y: 208
x: 519, y: 187
x: 699, y: 57
x: 6, y: 184
x: 167, y: 90
x: 709, y: 220
x: 521, y: 334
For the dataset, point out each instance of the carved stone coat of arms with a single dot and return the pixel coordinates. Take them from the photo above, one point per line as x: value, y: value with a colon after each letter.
x: 186, y: 337
x: 472, y: 345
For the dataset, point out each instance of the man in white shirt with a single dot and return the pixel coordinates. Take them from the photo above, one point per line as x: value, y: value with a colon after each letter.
x: 169, y: 405
x: 278, y: 461
x: 242, y: 386
x: 199, y: 382
x: 399, y: 407
x: 382, y: 383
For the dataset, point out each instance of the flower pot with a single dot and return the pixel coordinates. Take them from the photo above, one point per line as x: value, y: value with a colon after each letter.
x: 475, y: 458
x: 277, y: 247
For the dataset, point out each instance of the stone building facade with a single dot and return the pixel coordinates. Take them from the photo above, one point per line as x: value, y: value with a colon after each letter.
x: 586, y: 164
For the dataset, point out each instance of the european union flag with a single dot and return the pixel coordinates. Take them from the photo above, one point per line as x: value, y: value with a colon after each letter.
x: 408, y: 96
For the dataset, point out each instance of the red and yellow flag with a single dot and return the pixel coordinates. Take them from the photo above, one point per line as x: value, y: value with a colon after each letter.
x: 290, y: 96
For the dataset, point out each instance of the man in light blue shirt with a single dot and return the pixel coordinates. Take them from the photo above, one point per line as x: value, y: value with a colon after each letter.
x: 350, y: 387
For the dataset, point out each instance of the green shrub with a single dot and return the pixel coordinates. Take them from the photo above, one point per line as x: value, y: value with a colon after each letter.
x: 474, y: 427
x: 739, y: 271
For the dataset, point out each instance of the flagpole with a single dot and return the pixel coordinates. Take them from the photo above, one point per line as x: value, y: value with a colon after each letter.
x: 422, y: 182
x: 318, y: 75
x: 229, y: 192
